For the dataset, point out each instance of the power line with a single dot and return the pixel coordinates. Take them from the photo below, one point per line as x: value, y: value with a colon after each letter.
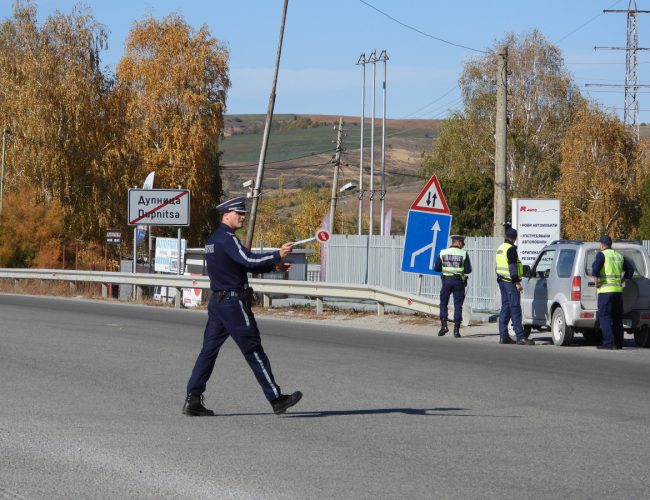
x: 420, y: 31
x: 278, y: 161
x: 587, y: 22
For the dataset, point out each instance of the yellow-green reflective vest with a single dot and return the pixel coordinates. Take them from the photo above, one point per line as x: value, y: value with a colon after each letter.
x: 503, y: 271
x: 453, y: 262
x: 611, y: 273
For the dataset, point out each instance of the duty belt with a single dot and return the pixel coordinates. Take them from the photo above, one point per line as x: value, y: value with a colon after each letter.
x: 222, y: 294
x: 452, y: 277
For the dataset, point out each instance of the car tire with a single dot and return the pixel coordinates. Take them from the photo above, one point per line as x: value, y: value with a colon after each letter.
x: 513, y: 335
x: 561, y: 333
x: 642, y: 337
x: 592, y: 336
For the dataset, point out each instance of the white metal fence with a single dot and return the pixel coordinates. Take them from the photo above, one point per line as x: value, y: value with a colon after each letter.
x: 377, y: 261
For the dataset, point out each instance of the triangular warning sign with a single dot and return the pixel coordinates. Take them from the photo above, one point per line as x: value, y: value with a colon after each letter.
x: 431, y: 199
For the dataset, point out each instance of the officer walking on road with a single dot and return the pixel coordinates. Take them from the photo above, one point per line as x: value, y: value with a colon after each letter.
x: 509, y: 272
x: 454, y: 264
x: 229, y: 310
x: 610, y: 270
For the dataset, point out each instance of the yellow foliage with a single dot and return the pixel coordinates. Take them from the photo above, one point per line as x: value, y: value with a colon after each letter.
x: 601, y: 177
x: 30, y: 230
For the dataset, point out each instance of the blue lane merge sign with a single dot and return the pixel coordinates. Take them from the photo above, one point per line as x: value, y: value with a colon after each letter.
x: 426, y: 235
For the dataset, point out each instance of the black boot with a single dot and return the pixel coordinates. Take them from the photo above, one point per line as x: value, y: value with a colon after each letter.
x: 457, y: 330
x: 285, y: 401
x: 193, y: 406
x: 443, y: 327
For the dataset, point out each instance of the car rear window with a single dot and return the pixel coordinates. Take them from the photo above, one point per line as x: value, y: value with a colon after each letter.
x: 565, y: 263
x: 632, y: 255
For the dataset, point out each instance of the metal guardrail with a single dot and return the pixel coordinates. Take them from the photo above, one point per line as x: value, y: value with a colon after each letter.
x: 319, y: 291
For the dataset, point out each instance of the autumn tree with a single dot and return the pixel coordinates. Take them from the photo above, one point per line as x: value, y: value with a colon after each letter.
x: 601, y: 181
x: 643, y: 231
x: 31, y: 229
x: 175, y: 80
x: 541, y: 102
x: 54, y: 101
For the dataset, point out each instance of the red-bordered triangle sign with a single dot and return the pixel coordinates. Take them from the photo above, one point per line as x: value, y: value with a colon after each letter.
x: 431, y: 199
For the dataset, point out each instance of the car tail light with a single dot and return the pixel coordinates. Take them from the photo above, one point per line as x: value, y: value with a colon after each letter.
x: 645, y: 315
x: 575, y: 288
x: 587, y: 315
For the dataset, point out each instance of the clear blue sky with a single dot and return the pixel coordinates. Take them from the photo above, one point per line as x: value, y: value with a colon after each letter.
x: 324, y: 39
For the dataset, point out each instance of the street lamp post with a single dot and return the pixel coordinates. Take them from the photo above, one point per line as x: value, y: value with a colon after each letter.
x: 5, y: 131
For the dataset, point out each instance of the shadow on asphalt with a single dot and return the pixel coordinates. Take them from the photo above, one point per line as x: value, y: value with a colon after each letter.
x: 432, y: 412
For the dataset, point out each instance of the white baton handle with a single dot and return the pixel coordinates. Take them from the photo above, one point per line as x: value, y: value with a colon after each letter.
x: 307, y: 240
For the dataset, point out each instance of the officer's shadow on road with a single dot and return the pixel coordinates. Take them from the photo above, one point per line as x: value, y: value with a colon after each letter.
x: 426, y: 412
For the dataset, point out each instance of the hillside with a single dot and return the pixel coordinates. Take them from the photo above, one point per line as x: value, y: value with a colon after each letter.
x: 301, y: 148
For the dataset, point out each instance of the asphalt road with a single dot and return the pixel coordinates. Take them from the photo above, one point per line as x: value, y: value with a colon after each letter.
x: 91, y: 397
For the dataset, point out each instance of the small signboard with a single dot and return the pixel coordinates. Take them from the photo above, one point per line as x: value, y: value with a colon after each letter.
x: 166, y: 259
x: 113, y: 236
x: 159, y: 207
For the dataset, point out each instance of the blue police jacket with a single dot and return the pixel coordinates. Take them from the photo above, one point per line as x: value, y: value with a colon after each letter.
x: 228, y: 260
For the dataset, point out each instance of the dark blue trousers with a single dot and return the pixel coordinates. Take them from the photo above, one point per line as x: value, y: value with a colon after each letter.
x: 510, y: 310
x: 455, y: 287
x: 232, y: 317
x: 610, y: 317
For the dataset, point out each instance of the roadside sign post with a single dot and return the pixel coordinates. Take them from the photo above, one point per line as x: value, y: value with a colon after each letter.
x: 427, y: 231
x: 158, y: 207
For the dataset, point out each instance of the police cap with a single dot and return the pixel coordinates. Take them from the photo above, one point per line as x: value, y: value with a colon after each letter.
x: 458, y: 237
x: 606, y: 240
x: 234, y: 205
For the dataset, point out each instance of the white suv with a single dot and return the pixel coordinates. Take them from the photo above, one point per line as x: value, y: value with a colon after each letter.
x: 560, y: 292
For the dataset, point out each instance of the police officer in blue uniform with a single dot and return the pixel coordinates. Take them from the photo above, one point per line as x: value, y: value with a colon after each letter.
x: 610, y: 269
x: 229, y: 310
x: 509, y: 272
x: 454, y: 264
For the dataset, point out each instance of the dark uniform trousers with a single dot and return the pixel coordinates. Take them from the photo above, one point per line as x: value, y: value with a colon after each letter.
x: 610, y: 317
x: 456, y: 287
x: 510, y: 310
x: 232, y: 316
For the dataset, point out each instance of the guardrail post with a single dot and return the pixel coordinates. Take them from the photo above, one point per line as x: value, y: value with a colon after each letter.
x: 177, y: 299
x: 319, y: 305
x: 266, y: 300
x: 104, y: 291
x: 138, y: 293
x: 380, y: 309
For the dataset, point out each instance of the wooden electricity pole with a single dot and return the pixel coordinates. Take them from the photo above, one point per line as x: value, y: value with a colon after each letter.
x: 257, y: 190
x: 335, y: 180
x: 500, y: 180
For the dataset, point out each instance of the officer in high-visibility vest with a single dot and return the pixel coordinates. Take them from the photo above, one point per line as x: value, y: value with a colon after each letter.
x: 610, y: 270
x: 454, y: 264
x: 509, y: 272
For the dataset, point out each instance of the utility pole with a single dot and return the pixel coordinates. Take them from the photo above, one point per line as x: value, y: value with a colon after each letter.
x: 362, y: 62
x: 500, y: 180
x: 373, y: 60
x: 631, y: 111
x: 257, y: 190
x: 382, y: 194
x: 335, y: 180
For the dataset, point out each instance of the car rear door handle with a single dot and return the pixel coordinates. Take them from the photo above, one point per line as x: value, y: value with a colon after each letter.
x: 591, y: 283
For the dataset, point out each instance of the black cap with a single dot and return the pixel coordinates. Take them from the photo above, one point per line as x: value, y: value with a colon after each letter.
x: 606, y: 240
x: 235, y: 205
x: 511, y: 233
x: 458, y: 237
